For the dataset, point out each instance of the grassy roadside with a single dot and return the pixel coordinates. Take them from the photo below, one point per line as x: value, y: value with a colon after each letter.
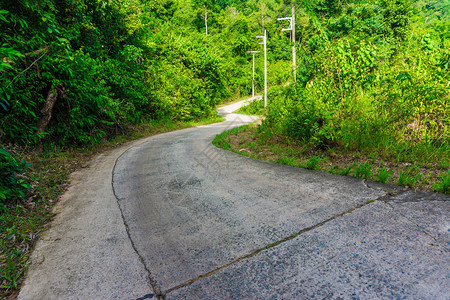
x: 48, y: 173
x: 249, y: 141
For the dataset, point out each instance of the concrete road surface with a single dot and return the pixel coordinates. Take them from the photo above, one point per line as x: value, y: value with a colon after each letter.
x: 173, y: 217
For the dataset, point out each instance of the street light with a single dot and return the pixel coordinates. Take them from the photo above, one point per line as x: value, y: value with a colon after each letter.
x: 253, y: 80
x: 291, y: 28
x: 264, y: 42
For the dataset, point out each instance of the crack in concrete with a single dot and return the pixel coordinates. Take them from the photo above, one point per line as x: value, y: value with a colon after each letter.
x: 152, y: 282
x: 274, y: 244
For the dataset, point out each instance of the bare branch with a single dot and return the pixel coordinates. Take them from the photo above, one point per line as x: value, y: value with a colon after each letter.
x: 27, y: 68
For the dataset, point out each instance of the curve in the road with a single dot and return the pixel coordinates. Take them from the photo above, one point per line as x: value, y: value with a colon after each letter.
x: 204, y: 223
x: 192, y: 208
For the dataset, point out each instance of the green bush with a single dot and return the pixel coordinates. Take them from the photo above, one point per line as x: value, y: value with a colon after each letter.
x: 12, y: 185
x: 256, y: 107
x: 112, y: 66
x: 299, y: 117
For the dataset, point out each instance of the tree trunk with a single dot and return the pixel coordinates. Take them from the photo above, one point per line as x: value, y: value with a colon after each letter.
x: 47, y: 110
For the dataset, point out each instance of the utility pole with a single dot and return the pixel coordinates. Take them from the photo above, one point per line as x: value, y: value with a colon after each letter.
x: 292, y: 29
x: 264, y: 42
x: 294, y: 53
x: 253, y: 77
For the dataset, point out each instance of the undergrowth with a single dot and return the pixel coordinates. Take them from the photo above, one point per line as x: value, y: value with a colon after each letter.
x: 255, y: 107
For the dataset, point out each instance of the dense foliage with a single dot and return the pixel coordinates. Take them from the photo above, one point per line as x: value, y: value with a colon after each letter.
x: 373, y: 75
x: 74, y: 71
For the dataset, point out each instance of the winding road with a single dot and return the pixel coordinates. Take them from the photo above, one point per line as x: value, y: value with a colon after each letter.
x: 183, y: 219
